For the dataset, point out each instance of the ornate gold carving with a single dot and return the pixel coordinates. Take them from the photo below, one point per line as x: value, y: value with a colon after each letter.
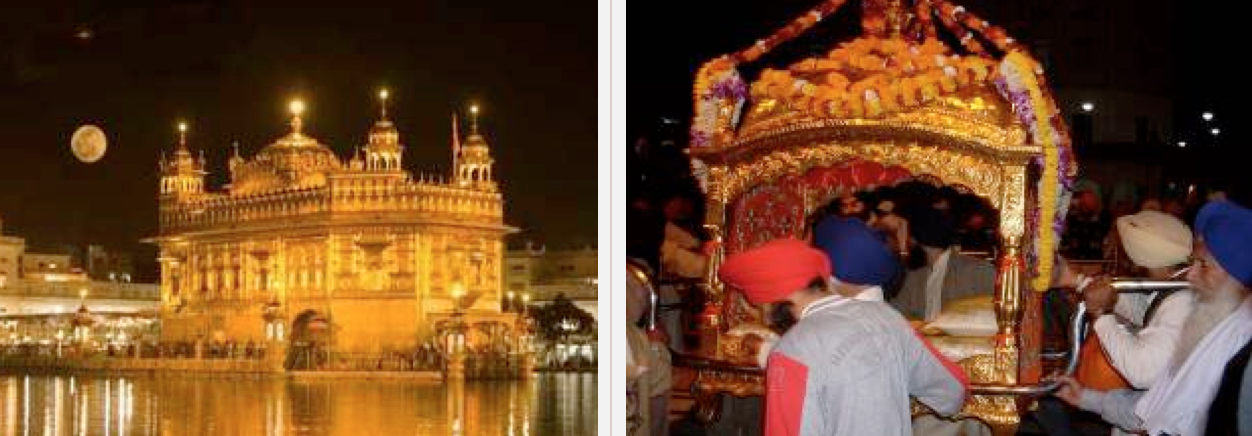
x: 956, y: 165
x: 1000, y: 413
x: 980, y: 117
x: 711, y: 383
x: 1012, y: 201
x: 1008, y: 306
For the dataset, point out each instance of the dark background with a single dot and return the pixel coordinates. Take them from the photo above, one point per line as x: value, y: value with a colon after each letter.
x: 1189, y: 52
x: 229, y: 68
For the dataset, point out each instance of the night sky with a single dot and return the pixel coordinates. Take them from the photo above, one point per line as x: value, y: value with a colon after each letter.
x: 1198, y: 41
x: 228, y: 68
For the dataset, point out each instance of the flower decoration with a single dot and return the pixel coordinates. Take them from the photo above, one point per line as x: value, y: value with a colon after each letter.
x: 719, y: 97
x: 1020, y: 84
x: 873, y: 77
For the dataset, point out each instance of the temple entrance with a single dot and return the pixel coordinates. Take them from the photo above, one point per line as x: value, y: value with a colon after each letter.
x: 309, y: 341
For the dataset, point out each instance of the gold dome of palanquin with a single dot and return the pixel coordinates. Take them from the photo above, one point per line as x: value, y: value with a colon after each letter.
x: 892, y: 104
x: 884, y: 82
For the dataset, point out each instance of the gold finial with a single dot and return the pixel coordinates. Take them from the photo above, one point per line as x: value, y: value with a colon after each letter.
x: 296, y: 107
x: 182, y: 133
x: 474, y: 118
x: 82, y: 294
x: 382, y: 101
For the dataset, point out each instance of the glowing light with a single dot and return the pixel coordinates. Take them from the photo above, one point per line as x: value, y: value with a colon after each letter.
x: 1088, y: 106
x: 296, y: 107
x: 474, y: 109
x: 1215, y: 131
x: 182, y: 127
x: 1207, y: 116
x: 383, y: 94
x: 1182, y: 144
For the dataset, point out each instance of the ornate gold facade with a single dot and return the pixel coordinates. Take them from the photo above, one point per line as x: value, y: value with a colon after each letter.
x: 300, y: 235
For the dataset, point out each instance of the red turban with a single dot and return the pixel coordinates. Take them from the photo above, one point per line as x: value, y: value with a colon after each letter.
x: 774, y: 270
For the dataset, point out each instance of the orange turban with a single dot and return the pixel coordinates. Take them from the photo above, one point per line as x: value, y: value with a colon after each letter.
x: 774, y: 270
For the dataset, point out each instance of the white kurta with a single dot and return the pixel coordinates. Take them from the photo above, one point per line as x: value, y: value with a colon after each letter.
x: 1143, y: 356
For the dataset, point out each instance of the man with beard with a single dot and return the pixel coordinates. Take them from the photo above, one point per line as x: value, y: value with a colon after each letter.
x: 1219, y: 325
x: 847, y: 367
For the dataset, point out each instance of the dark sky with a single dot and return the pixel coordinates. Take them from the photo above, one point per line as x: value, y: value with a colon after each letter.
x: 229, y: 68
x: 1198, y: 41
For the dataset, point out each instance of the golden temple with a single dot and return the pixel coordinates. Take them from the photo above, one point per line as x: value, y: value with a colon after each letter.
x: 359, y: 255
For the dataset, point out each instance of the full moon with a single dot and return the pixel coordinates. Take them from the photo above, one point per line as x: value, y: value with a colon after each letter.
x: 88, y: 143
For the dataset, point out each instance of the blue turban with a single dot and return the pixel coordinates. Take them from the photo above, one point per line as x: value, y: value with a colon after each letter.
x: 858, y: 254
x: 1226, y: 229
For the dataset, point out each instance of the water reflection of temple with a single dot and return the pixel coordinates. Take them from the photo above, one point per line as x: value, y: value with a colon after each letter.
x: 188, y: 405
x: 359, y: 255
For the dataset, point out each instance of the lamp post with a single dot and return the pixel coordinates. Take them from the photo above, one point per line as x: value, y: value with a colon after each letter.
x: 82, y: 324
x: 454, y: 341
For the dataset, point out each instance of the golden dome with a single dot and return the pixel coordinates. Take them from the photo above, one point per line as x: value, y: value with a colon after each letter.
x: 383, y: 136
x: 475, y: 146
x: 294, y: 160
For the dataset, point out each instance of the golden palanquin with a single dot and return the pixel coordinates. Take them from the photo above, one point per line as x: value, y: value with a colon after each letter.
x: 895, y: 104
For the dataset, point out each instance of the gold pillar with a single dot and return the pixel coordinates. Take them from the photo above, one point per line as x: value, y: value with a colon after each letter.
x: 1008, y: 309
x: 711, y: 321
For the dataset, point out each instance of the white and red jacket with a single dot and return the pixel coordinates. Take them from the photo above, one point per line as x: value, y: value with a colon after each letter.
x: 849, y: 367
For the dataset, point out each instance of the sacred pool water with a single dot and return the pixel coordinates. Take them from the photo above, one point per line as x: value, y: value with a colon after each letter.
x: 551, y: 404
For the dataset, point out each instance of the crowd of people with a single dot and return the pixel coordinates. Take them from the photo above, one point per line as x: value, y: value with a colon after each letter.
x: 848, y: 296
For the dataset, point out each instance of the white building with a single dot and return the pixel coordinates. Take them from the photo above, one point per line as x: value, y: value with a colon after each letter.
x: 48, y: 285
x: 543, y: 274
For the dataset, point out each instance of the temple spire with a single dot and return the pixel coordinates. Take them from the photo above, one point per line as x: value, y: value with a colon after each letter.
x: 296, y: 107
x: 182, y: 134
x: 382, y: 102
x: 456, y: 144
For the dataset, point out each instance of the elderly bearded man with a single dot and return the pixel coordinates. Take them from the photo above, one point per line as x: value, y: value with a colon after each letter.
x: 1219, y: 325
x: 847, y: 367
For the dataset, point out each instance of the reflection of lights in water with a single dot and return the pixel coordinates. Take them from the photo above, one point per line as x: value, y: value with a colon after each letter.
x: 10, y: 409
x: 82, y: 414
x: 141, y: 406
x: 26, y: 404
x: 51, y: 426
x: 108, y: 403
x: 124, y: 403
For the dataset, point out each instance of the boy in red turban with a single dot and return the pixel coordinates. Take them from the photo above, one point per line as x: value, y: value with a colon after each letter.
x: 847, y: 367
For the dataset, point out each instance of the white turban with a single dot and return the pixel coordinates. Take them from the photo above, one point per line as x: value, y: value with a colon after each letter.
x: 1154, y: 240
